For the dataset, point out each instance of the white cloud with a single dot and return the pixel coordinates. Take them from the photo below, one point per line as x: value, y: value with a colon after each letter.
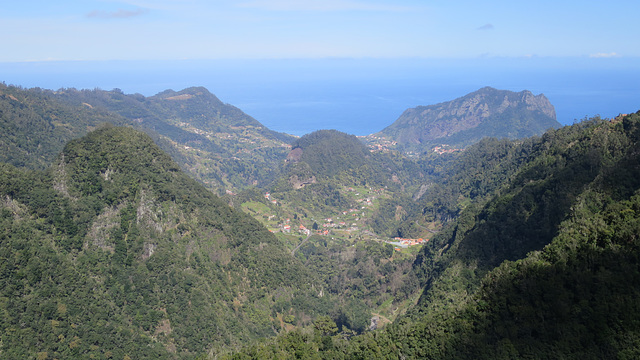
x: 167, y: 5
x: 319, y: 5
x: 118, y: 14
x: 605, y: 55
x: 486, y: 27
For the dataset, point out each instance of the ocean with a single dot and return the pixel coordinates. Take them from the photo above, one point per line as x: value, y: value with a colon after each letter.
x: 356, y: 96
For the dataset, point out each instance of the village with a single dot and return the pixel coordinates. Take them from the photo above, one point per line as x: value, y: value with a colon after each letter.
x: 242, y: 134
x: 346, y: 224
x: 445, y: 149
x: 404, y: 243
x: 378, y: 143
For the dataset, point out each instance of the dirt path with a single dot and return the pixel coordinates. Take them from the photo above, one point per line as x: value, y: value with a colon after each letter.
x: 303, y: 241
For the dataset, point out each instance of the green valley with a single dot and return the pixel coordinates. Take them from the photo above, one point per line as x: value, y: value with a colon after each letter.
x: 176, y: 226
x: 527, y: 272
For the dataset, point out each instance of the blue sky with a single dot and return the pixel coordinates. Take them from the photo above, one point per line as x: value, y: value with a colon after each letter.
x: 266, y: 29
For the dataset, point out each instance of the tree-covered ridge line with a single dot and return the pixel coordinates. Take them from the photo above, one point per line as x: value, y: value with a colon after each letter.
x: 546, y: 267
x: 113, y: 252
x: 216, y: 143
x: 368, y: 276
x: 36, y: 126
x: 159, y: 255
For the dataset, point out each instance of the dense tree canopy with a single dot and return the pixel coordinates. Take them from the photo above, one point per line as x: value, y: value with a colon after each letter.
x: 109, y: 250
x: 545, y: 267
x: 114, y: 251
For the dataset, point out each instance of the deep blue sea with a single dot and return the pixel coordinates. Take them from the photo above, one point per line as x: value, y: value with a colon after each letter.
x: 357, y: 96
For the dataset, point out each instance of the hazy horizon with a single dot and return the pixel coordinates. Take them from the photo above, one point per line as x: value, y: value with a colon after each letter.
x: 357, y: 96
x: 353, y: 65
x: 279, y: 29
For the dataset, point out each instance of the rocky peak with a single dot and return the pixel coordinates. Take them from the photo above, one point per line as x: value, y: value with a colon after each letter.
x: 485, y: 112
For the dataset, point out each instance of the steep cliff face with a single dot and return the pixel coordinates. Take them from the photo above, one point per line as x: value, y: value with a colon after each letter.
x: 464, y: 121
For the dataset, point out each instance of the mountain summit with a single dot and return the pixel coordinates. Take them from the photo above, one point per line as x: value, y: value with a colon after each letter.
x: 113, y: 252
x: 464, y: 121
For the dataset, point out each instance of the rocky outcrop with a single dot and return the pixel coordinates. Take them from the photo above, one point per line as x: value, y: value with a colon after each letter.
x: 486, y: 112
x: 295, y: 155
x: 298, y: 183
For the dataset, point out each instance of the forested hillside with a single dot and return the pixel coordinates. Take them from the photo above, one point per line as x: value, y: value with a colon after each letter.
x: 113, y: 252
x: 109, y: 250
x: 323, y: 161
x: 546, y: 267
x: 319, y: 208
x: 35, y: 126
x: 215, y: 143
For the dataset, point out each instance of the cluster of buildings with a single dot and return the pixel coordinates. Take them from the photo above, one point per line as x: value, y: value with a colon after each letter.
x: 303, y: 229
x: 444, y: 149
x: 404, y: 243
x: 410, y: 242
x: 344, y: 221
x: 323, y: 229
x: 380, y: 144
x: 268, y: 197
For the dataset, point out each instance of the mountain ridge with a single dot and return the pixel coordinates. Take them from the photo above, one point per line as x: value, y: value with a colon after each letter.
x: 216, y: 143
x: 486, y: 112
x: 545, y: 266
x: 112, y: 251
x: 116, y: 250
